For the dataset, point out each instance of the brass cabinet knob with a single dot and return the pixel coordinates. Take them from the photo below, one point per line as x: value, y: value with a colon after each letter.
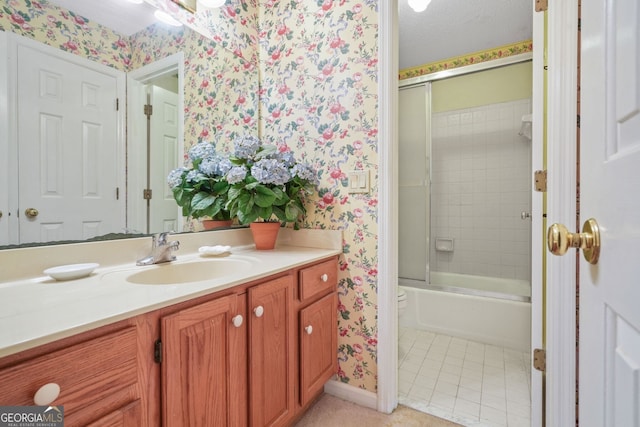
x: 31, y: 212
x: 560, y: 239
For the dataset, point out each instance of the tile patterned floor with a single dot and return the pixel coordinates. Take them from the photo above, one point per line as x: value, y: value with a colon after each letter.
x: 468, y: 382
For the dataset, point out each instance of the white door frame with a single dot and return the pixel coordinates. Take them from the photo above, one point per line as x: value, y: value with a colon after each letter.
x: 4, y: 137
x: 562, y: 57
x: 562, y: 33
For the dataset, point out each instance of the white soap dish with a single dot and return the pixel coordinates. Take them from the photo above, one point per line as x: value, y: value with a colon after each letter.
x: 214, y: 250
x: 71, y: 271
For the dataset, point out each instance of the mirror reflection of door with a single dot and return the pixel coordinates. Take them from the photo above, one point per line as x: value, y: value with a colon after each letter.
x: 155, y: 144
x: 68, y: 185
x: 163, y: 153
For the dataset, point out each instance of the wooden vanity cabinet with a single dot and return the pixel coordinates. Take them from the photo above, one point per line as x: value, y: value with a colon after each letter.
x: 242, y: 357
x: 271, y: 353
x: 226, y: 365
x: 317, y: 328
x: 204, y: 364
x: 98, y: 376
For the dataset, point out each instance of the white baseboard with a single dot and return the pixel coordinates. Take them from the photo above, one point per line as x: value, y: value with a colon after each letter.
x: 352, y: 394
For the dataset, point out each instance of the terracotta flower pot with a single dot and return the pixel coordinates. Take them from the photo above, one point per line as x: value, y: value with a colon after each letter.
x: 265, y: 234
x: 210, y: 224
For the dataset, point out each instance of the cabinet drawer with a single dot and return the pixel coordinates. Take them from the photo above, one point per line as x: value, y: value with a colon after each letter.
x: 318, y: 279
x: 101, y: 372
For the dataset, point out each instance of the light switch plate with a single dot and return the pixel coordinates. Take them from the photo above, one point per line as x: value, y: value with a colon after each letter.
x: 358, y: 181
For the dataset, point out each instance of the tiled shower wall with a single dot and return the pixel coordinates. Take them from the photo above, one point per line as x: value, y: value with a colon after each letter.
x: 481, y: 183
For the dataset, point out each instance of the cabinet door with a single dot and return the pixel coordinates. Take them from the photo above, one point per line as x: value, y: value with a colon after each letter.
x: 204, y: 365
x: 318, y: 346
x: 128, y: 416
x: 271, y: 367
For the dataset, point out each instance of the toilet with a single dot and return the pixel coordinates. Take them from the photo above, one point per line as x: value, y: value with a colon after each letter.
x: 402, y: 300
x: 402, y: 304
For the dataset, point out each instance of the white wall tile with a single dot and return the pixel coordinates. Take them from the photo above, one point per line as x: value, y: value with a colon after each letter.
x: 482, y: 167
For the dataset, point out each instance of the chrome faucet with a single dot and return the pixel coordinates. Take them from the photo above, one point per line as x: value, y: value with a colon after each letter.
x: 160, y: 250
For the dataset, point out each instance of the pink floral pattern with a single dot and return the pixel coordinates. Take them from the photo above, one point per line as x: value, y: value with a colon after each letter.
x: 318, y: 65
x: 65, y: 30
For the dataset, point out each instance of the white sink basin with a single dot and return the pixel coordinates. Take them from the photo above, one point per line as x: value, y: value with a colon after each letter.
x: 198, y: 271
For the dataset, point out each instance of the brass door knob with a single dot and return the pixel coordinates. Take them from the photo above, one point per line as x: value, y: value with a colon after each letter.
x: 31, y: 212
x: 559, y: 240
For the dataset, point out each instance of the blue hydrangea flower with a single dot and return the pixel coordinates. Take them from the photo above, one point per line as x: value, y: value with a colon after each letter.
x: 246, y: 146
x: 236, y: 174
x: 193, y: 176
x: 270, y: 171
x: 286, y: 158
x: 175, y: 177
x: 215, y: 166
x: 305, y: 171
x: 202, y: 150
x: 224, y: 166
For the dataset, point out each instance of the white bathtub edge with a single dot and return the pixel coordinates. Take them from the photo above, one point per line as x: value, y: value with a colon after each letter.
x: 488, y: 320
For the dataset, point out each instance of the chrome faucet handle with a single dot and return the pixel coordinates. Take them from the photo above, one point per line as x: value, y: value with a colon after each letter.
x: 160, y: 239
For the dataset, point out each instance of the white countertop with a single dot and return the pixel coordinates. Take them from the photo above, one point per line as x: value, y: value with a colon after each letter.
x: 37, y: 310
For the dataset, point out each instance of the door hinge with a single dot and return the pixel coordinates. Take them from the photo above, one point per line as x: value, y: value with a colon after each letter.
x: 540, y: 359
x: 542, y: 5
x: 540, y: 178
x: 117, y: 193
x: 146, y: 194
x: 157, y: 351
x: 117, y: 104
x: 148, y: 110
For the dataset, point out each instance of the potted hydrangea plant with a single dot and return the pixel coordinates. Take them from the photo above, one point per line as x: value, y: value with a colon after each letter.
x: 267, y: 186
x: 201, y: 190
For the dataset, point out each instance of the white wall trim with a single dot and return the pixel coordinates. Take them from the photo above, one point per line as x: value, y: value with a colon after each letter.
x: 4, y: 136
x: 537, y: 220
x: 561, y: 196
x: 353, y: 394
x: 387, y: 398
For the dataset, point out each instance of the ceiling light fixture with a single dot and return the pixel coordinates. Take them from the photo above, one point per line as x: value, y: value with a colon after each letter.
x: 136, y: 1
x: 167, y: 19
x: 212, y: 3
x: 418, y: 5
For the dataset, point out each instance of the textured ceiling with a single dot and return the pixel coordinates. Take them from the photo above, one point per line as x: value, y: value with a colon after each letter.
x: 451, y: 28
x: 446, y: 29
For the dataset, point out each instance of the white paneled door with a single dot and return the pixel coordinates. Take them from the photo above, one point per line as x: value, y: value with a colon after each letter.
x: 67, y: 149
x: 609, y: 362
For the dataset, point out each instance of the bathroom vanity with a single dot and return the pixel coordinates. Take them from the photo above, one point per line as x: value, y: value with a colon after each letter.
x: 253, y: 345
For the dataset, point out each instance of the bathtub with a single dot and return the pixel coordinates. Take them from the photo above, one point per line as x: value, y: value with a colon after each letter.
x: 489, y: 310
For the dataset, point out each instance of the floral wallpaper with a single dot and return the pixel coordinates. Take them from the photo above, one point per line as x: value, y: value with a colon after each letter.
x: 473, y: 58
x: 220, y: 89
x: 318, y: 96
x: 65, y: 30
x: 233, y: 26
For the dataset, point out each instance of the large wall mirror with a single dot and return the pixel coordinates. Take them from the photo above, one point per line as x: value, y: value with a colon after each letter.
x: 81, y: 158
